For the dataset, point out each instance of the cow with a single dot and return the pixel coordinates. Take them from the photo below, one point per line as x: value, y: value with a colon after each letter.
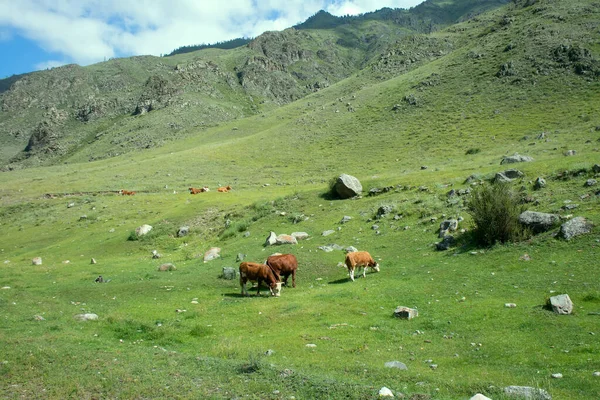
x: 360, y: 259
x: 194, y: 190
x: 224, y: 189
x: 255, y: 272
x: 283, y: 265
x: 124, y: 192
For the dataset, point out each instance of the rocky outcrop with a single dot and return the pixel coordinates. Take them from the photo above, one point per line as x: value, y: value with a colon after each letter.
x: 516, y: 158
x: 347, y: 186
x: 575, y: 227
x: 538, y: 221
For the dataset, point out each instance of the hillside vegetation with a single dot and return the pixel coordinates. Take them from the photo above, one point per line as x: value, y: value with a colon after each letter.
x: 412, y: 115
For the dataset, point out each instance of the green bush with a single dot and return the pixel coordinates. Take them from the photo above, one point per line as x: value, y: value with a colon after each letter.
x: 495, y: 210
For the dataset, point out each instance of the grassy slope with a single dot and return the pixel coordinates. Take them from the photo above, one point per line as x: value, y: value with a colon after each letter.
x: 211, y: 349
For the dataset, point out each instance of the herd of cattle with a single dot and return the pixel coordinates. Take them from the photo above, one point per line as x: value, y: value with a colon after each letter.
x: 280, y: 266
x: 193, y: 190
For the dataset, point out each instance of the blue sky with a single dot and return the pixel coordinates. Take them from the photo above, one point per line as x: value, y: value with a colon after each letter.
x: 40, y: 34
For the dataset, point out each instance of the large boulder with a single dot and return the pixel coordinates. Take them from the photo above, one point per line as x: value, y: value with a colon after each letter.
x: 575, y: 227
x: 271, y: 239
x: 449, y: 225
x: 516, y: 158
x: 286, y: 239
x: 526, y: 392
x: 143, y: 230
x: 561, y: 304
x: 167, y: 267
x: 229, y: 273
x: 538, y: 221
x: 347, y: 186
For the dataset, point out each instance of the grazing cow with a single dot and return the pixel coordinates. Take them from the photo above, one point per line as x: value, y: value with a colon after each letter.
x: 360, y: 259
x: 283, y: 265
x: 194, y: 190
x: 255, y: 272
x: 124, y: 192
x: 224, y: 189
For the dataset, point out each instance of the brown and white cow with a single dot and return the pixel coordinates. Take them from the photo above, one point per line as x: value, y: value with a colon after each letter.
x: 224, y: 189
x: 194, y: 190
x: 360, y: 259
x: 255, y: 272
x: 124, y: 192
x: 283, y: 265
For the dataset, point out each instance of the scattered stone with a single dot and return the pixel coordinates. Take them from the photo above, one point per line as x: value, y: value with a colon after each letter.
x: 479, y: 396
x: 183, y: 231
x: 83, y: 217
x: 37, y: 261
x: 423, y: 167
x: 575, y: 227
x: 526, y: 392
x: 311, y: 345
x: 596, y: 168
x: 449, y: 225
x: 70, y: 205
x: 510, y: 305
x: 347, y: 186
x: 561, y: 304
x: 375, y: 227
x: 525, y: 257
x: 93, y: 261
x: 395, y: 364
x: 39, y: 318
x: 247, y: 234
x: 591, y: 182
x: 538, y: 221
x: 597, y: 373
x: 156, y: 254
x: 228, y: 273
x: 384, y: 210
x: 350, y: 249
x: 570, y: 152
x: 327, y: 233
x: 86, y: 317
x: 446, y: 243
x: 406, y: 312
x: 167, y: 267
x: 269, y: 352
x: 385, y: 392
x: 557, y: 375
x: 345, y: 219
x: 214, y: 252
x: 516, y: 158
x: 271, y: 239
x: 300, y: 235
x: 240, y: 257
x: 286, y: 239
x: 99, y: 279
x: 143, y: 230
x: 433, y: 366
x: 540, y: 183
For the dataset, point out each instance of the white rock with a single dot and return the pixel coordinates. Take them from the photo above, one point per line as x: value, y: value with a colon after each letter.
x: 557, y: 375
x: 385, y: 392
x: 86, y: 317
x: 312, y: 345
x: 479, y: 396
x: 510, y: 305
x: 597, y: 373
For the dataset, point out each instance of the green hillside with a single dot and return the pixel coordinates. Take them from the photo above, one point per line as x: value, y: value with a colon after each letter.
x: 413, y: 116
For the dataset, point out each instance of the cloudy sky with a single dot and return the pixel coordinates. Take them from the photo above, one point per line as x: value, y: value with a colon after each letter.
x: 38, y: 34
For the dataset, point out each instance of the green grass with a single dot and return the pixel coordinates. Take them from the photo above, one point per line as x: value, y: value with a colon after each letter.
x: 279, y: 165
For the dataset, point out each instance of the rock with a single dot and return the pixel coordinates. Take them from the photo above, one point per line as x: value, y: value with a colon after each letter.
x: 86, y: 317
x: 591, y: 182
x: 561, y: 304
x: 395, y: 364
x: 596, y: 373
x: 526, y: 392
x: 327, y: 233
x: 39, y: 318
x: 269, y: 352
x: 155, y: 254
x: 143, y: 230
x: 540, y: 183
x: 183, y: 231
x: 479, y: 396
x: 345, y: 219
x: 557, y: 375
x: 596, y: 168
x: 83, y: 217
x: 375, y: 227
x: 347, y: 186
x: 385, y: 392
x: 167, y: 267
x: 70, y: 205
x: 300, y: 235
x: 228, y: 273
x: 240, y: 257
x: 516, y: 158
x: 449, y: 225
x: 246, y: 234
x: 570, y: 152
x: 510, y: 305
x: 350, y: 249
x: 575, y: 227
x: 446, y: 243
x: 405, y: 312
x: 508, y: 176
x: 37, y: 261
x: 214, y: 252
x: 271, y: 239
x: 285, y: 239
x: 93, y: 261
x: 538, y: 221
x: 311, y: 345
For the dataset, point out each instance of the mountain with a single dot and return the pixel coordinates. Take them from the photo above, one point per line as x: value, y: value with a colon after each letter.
x: 75, y: 114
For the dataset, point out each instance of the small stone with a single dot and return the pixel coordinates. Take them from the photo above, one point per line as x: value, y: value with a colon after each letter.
x: 557, y: 375
x: 167, y: 267
x: 395, y: 364
x: 433, y: 366
x: 510, y: 305
x: 39, y: 318
x: 405, y: 312
x: 311, y: 345
x: 385, y: 392
x: 37, y: 261
x: 86, y: 317
x: 597, y: 373
x: 328, y: 232
x: 269, y: 352
x: 93, y: 261
x: 479, y: 396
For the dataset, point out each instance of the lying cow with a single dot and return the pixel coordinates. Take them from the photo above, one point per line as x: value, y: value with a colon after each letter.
x: 224, y: 189
x: 194, y: 190
x: 283, y: 265
x: 124, y: 192
x: 360, y: 259
x: 255, y: 272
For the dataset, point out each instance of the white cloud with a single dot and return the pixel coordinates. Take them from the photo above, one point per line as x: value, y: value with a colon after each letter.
x: 88, y: 31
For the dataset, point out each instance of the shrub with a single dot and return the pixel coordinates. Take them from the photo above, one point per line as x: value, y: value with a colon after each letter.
x: 473, y: 150
x: 495, y: 210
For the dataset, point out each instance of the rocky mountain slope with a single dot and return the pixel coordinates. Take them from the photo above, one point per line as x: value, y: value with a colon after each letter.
x: 142, y: 102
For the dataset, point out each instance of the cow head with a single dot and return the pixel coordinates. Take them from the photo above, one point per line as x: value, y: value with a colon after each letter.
x: 376, y: 267
x: 276, y: 289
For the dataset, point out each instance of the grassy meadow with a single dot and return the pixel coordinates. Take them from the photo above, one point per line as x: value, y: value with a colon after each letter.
x: 190, y: 334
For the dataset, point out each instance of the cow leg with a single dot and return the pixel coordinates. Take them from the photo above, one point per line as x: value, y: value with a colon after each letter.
x: 258, y: 287
x: 352, y: 275
x: 243, y: 285
x: 294, y: 278
x: 364, y: 272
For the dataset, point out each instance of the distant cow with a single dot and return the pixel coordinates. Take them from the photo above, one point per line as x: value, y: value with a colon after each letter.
x: 283, y: 265
x: 360, y: 259
x: 124, y: 192
x: 194, y: 190
x: 224, y: 189
x: 255, y: 272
